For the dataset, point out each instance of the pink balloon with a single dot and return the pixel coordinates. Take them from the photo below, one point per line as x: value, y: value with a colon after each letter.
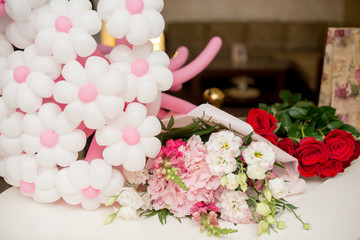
x: 176, y: 104
x: 200, y: 63
x: 134, y: 6
x: 95, y: 151
x: 123, y: 41
x: 179, y: 59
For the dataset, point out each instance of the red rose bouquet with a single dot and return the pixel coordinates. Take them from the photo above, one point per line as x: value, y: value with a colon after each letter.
x: 322, y: 143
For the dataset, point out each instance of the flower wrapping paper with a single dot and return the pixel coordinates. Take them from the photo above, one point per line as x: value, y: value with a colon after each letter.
x: 208, y: 112
x: 341, y: 74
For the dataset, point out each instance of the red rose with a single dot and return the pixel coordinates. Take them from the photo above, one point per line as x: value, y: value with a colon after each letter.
x: 288, y: 146
x: 311, y: 151
x: 329, y: 168
x: 341, y: 144
x: 354, y: 156
x: 271, y: 137
x: 261, y: 121
x: 307, y: 170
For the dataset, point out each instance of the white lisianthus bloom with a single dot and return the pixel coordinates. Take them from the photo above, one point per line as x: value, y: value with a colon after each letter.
x: 224, y: 141
x: 233, y: 207
x: 146, y: 71
x: 130, y: 138
x: 29, y: 79
x: 255, y: 171
x: 260, y: 153
x: 128, y: 214
x: 278, y: 188
x: 138, y: 21
x: 89, y: 184
x: 232, y: 182
x: 221, y: 163
x: 65, y: 30
x: 138, y: 177
x: 91, y: 93
x: 55, y: 140
x: 145, y: 196
x: 129, y: 197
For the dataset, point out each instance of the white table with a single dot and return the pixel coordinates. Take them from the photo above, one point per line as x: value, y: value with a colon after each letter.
x: 332, y: 207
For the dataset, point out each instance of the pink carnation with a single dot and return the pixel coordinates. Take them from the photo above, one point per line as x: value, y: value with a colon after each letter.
x: 196, y: 175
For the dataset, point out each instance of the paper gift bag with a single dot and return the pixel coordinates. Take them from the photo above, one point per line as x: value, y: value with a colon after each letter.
x: 341, y: 74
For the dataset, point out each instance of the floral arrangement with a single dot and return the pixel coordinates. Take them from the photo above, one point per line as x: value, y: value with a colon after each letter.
x: 207, y: 172
x: 323, y: 144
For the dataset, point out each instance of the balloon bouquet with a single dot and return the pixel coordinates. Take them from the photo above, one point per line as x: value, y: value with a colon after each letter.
x: 63, y: 89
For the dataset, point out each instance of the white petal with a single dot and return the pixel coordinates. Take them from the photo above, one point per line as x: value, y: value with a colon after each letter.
x: 136, y: 114
x: 44, y: 40
x: 90, y: 204
x: 59, y: 7
x: 74, y: 141
x: 74, y: 112
x: 116, y: 154
x: 27, y: 100
x: 28, y: 168
x: 107, y: 8
x: 9, y: 94
x: 47, y: 66
x: 158, y: 58
x: 75, y: 74
x: 121, y: 53
x: 129, y: 94
x: 30, y: 143
x: 44, y: 20
x: 108, y: 135
x: 112, y: 83
x: 115, y: 184
x: 40, y: 84
x: 63, y: 126
x: 135, y: 158
x: 93, y: 118
x: 96, y: 68
x: 89, y: 21
x: 65, y: 92
x: 79, y: 174
x: 48, y: 114
x: 63, y: 49
x: 11, y: 146
x: 46, y: 196
x: 110, y: 106
x: 45, y: 157
x: 163, y: 76
x: 82, y: 42
x: 14, y: 35
x: 64, y: 184
x: 32, y: 125
x: 73, y: 199
x: 155, y: 21
x: 74, y: 7
x: 139, y: 30
x: 150, y: 127
x: 12, y: 168
x: 154, y: 4
x: 151, y: 146
x: 118, y: 25
x: 63, y: 157
x: 46, y: 178
x: 100, y: 173
x: 147, y: 89
x: 12, y: 126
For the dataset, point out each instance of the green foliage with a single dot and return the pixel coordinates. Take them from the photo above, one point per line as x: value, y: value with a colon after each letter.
x: 162, y: 214
x: 299, y: 118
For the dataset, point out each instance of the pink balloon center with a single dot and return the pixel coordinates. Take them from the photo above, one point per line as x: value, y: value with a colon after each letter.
x: 134, y: 6
x: 21, y: 73
x: 63, y: 24
x: 88, y: 93
x: 139, y: 67
x: 131, y: 136
x: 49, y: 138
x: 2, y: 8
x: 90, y: 192
x: 26, y: 187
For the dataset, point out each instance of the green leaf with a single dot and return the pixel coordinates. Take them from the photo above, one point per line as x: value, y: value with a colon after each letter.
x: 350, y: 129
x: 304, y: 104
x: 285, y: 121
x: 170, y: 123
x: 298, y: 113
x: 294, y: 131
x: 285, y: 95
x: 334, y: 124
x: 247, y: 139
x: 263, y: 106
x: 279, y: 165
x: 296, y: 97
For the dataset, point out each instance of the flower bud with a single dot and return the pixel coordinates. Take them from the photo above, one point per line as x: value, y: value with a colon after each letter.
x: 263, y: 209
x: 241, y: 178
x: 109, y: 219
x: 163, y: 171
x: 111, y: 200
x: 263, y: 227
x: 223, y: 181
x: 306, y: 226
x: 270, y: 219
x: 232, y: 183
x: 280, y: 225
x: 268, y: 195
x: 168, y: 164
x: 244, y: 187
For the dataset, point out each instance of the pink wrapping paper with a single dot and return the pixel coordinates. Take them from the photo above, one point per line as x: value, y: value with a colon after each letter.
x: 206, y: 111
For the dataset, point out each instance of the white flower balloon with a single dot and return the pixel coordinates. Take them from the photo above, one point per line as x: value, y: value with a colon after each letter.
x: 20, y: 10
x: 65, y: 30
x: 130, y: 138
x: 11, y: 131
x: 29, y: 78
x: 91, y: 93
x: 137, y: 20
x: 52, y: 137
x: 146, y: 71
x: 89, y: 184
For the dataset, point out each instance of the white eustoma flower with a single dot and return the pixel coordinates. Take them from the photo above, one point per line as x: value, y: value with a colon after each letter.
x: 146, y: 71
x: 221, y: 163
x: 21, y: 31
x: 130, y: 198
x: 138, y: 177
x: 34, y: 181
x: 65, y: 30
x: 130, y: 138
x: 89, y: 184
x: 128, y: 214
x: 11, y: 131
x: 29, y: 79
x: 255, y: 171
x: 55, y: 140
x: 91, y: 93
x: 137, y: 20
x: 232, y: 182
x: 224, y: 141
x: 278, y: 188
x: 260, y: 153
